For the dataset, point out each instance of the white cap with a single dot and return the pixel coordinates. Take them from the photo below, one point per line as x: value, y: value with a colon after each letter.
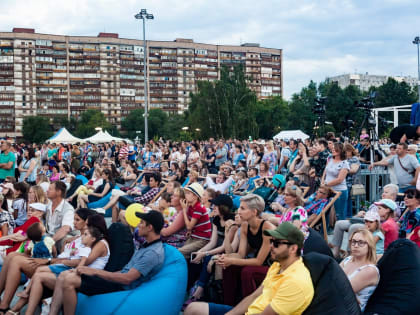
x: 38, y: 206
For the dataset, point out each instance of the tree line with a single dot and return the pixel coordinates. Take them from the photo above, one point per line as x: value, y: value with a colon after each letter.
x: 227, y: 108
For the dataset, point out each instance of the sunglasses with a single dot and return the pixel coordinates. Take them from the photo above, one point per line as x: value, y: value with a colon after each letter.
x: 277, y: 243
x: 409, y: 196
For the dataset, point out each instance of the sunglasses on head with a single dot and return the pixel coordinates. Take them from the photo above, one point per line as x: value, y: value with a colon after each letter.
x: 277, y: 243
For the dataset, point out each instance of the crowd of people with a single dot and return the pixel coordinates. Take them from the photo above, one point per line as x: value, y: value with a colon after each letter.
x: 242, y: 213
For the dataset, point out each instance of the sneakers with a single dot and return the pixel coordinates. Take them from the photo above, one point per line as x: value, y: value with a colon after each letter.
x: 100, y: 210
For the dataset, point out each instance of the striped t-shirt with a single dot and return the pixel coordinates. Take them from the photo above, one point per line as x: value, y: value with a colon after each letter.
x: 202, y: 228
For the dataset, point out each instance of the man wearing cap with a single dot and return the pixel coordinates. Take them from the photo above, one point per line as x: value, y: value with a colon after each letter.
x: 143, y: 265
x: 287, y: 287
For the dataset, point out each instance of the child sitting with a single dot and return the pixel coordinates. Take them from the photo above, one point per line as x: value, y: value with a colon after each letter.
x: 169, y: 213
x: 41, y: 245
x: 197, y: 220
x: 372, y: 222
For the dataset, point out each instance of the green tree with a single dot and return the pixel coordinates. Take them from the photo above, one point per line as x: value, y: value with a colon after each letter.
x: 133, y: 122
x: 173, y: 126
x: 272, y: 116
x: 157, y: 120
x: 224, y: 108
x: 301, y: 104
x: 394, y: 93
x: 89, y: 120
x: 36, y: 129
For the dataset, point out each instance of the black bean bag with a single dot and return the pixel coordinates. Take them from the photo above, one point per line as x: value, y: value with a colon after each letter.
x: 398, y: 291
x: 121, y: 246
x: 333, y: 292
x: 316, y: 243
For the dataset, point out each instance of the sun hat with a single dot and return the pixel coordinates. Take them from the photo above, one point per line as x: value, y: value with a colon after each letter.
x: 196, y: 189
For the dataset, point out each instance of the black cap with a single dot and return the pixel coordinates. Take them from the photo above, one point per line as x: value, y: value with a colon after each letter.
x: 223, y: 200
x: 153, y: 217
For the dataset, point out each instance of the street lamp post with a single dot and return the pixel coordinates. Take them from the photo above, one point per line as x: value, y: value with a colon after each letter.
x: 416, y: 41
x: 143, y: 15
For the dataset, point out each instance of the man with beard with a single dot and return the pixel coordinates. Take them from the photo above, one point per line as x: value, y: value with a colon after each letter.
x: 287, y: 287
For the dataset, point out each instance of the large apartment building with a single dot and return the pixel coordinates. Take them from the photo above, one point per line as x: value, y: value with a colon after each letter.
x: 55, y: 75
x: 365, y: 81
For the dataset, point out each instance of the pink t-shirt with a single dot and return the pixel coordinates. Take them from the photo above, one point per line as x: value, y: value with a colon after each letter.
x: 390, y: 229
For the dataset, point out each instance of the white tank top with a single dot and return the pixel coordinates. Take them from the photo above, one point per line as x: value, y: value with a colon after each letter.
x: 101, y: 262
x: 364, y: 294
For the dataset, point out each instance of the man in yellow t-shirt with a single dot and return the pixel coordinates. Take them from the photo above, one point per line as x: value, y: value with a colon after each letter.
x: 287, y: 287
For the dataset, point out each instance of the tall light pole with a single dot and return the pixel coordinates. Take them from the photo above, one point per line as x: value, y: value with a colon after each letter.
x: 143, y: 15
x: 416, y: 41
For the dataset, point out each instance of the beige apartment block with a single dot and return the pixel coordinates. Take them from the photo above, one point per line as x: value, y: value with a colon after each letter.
x: 56, y: 75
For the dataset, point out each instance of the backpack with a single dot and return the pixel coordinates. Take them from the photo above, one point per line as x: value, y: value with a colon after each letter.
x: 121, y: 246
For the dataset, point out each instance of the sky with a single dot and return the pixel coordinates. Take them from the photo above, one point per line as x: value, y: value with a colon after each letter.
x: 318, y: 38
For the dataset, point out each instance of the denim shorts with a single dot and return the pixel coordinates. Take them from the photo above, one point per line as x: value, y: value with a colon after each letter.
x: 58, y: 268
x: 219, y: 309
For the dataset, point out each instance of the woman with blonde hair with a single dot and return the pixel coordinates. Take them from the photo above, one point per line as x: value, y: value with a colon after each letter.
x: 360, y: 267
x: 37, y: 194
x: 270, y: 157
x: 294, y: 211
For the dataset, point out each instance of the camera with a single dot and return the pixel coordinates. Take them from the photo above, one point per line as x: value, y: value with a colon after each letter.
x: 366, y: 102
x: 319, y: 106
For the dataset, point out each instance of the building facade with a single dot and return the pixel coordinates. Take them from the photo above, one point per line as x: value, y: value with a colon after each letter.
x: 365, y: 81
x: 62, y: 76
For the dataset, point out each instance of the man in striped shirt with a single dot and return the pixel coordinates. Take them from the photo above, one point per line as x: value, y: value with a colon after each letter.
x: 123, y: 152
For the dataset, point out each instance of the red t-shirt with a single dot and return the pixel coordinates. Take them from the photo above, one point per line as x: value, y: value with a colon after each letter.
x: 390, y: 229
x: 202, y: 228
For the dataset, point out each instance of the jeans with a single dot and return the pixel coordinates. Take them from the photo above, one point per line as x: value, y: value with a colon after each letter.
x: 204, y: 275
x: 219, y: 309
x: 340, y: 205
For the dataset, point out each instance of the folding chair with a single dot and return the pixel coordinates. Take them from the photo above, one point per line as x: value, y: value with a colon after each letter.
x: 322, y: 215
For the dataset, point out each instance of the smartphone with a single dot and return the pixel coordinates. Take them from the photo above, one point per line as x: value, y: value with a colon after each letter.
x: 193, y: 255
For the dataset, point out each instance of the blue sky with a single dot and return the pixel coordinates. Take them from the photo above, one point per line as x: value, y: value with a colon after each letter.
x: 318, y: 38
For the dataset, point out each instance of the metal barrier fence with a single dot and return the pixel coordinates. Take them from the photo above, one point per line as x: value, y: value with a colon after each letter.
x: 374, y: 182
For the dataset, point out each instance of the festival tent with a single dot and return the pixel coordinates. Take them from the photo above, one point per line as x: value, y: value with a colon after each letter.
x: 116, y: 139
x: 100, y: 137
x: 63, y: 136
x: 291, y: 134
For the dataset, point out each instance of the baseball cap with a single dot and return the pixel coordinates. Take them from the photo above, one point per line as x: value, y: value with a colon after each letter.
x: 155, y: 218
x: 279, y: 181
x: 287, y: 231
x: 8, y: 186
x: 38, y: 206
x: 387, y: 203
x: 372, y: 216
x: 196, y: 189
x: 223, y: 200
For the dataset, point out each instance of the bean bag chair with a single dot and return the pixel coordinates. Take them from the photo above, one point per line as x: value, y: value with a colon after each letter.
x: 163, y: 294
x: 333, y: 293
x: 82, y: 178
x: 398, y: 290
x: 102, y: 202
x: 316, y: 243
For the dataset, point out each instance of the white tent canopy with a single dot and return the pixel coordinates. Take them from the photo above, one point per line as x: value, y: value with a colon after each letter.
x: 116, y: 139
x: 291, y: 134
x: 63, y: 136
x: 100, y: 137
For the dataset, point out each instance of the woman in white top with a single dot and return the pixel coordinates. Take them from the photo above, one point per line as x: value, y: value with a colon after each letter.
x: 28, y: 167
x: 334, y: 176
x: 360, y: 267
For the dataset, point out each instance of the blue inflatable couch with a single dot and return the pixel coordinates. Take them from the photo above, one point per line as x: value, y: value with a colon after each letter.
x: 162, y: 295
x: 102, y: 202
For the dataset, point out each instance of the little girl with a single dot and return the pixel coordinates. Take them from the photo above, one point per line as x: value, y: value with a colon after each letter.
x: 372, y: 222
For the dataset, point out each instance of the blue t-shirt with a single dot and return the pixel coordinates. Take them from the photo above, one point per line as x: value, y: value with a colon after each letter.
x: 148, y: 260
x: 380, y: 243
